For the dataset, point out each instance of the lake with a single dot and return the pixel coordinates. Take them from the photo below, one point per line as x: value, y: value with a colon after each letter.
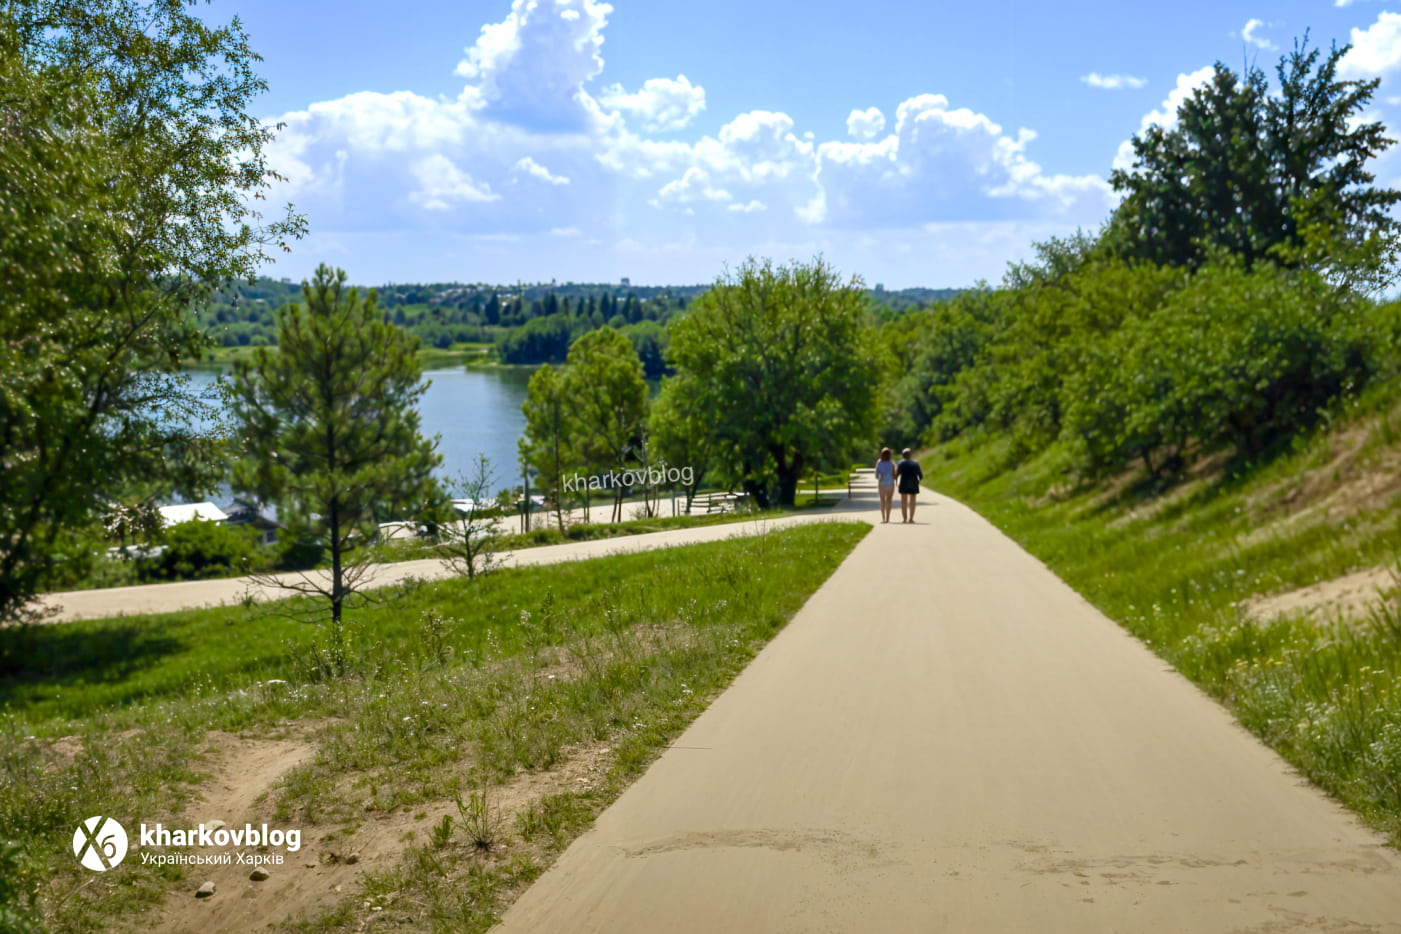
x: 472, y: 411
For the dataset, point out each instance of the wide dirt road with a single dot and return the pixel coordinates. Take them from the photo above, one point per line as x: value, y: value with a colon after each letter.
x: 947, y: 738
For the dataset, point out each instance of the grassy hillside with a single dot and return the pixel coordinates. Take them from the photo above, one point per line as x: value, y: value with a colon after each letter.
x: 1183, y: 564
x: 482, y: 727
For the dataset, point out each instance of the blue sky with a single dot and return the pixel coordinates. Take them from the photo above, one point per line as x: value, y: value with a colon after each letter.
x: 909, y: 143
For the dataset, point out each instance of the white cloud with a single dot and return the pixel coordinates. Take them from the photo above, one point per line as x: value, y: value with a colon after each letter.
x: 864, y: 124
x: 1166, y: 114
x: 1112, y: 82
x: 1375, y: 50
x: 692, y: 188
x: 1250, y: 32
x: 662, y: 104
x: 942, y: 163
x: 761, y: 145
x: 525, y: 155
x: 530, y: 68
x: 441, y: 183
x: 534, y: 169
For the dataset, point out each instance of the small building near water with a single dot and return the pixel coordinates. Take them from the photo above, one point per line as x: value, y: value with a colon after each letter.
x: 189, y: 512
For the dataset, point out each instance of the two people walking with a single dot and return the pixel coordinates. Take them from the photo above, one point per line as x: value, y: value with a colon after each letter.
x: 906, y: 475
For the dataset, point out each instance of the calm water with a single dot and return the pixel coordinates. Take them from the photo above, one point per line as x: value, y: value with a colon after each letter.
x: 472, y: 411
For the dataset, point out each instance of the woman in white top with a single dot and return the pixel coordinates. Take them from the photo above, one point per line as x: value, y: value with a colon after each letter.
x: 885, y: 482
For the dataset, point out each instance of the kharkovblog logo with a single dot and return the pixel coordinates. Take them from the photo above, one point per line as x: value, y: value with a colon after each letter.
x: 100, y: 843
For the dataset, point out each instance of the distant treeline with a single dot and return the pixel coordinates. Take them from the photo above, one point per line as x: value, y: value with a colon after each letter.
x: 529, y: 324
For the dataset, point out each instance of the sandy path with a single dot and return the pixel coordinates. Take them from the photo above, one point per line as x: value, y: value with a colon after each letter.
x: 947, y: 738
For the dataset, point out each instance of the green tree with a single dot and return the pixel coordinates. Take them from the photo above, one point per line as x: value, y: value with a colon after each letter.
x: 330, y: 430
x: 546, y: 442
x: 1261, y: 175
x: 649, y: 340
x: 677, y: 431
x: 130, y: 168
x: 784, y: 365
x: 606, y: 398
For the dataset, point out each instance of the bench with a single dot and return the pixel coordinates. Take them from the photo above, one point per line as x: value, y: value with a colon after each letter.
x: 716, y: 502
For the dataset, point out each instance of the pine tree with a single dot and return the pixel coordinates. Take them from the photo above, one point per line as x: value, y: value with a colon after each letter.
x: 330, y: 430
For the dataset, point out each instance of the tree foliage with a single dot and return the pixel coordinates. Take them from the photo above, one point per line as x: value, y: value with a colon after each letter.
x: 678, y: 433
x: 1234, y: 359
x: 1261, y: 175
x: 606, y: 398
x: 130, y: 168
x: 548, y: 442
x: 330, y: 429
x: 783, y: 363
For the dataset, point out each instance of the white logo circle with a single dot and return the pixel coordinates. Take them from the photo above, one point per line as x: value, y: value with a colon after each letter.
x: 100, y: 843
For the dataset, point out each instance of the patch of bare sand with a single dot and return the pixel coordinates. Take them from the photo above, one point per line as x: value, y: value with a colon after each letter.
x: 332, y: 861
x: 1358, y: 476
x: 246, y: 770
x: 1352, y: 597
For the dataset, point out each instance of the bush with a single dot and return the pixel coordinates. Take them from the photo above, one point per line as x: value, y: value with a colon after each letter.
x: 295, y: 554
x: 201, y: 549
x: 19, y: 890
x: 1235, y: 360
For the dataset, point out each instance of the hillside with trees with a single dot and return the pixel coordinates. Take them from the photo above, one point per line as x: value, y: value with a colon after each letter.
x: 527, y: 324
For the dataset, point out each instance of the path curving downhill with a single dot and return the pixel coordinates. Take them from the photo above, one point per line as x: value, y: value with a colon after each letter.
x: 947, y: 738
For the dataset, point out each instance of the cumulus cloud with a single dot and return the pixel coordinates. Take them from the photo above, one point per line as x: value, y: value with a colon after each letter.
x: 1250, y: 32
x: 531, y: 67
x: 942, y: 163
x: 1112, y: 82
x: 441, y: 183
x: 525, y: 150
x: 662, y: 104
x: 1165, y: 115
x: 530, y: 167
x: 1375, y: 50
x: 865, y: 124
x: 693, y: 187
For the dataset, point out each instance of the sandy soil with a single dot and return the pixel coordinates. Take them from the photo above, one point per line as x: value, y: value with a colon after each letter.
x: 332, y: 862
x: 1352, y: 597
x: 947, y: 738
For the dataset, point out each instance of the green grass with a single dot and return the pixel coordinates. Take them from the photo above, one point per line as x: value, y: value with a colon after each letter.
x: 1171, y: 566
x: 431, y: 358
x: 455, y: 688
x: 222, y: 359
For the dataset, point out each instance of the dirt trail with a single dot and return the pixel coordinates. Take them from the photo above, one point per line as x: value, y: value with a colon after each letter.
x: 947, y: 738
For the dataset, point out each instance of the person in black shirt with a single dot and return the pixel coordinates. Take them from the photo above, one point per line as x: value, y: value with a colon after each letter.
x: 908, y: 475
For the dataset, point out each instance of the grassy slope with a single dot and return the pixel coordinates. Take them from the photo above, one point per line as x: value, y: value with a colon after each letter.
x: 1171, y: 566
x: 456, y: 688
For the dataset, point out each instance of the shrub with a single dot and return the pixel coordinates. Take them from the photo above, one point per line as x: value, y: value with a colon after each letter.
x: 1234, y: 360
x: 202, y: 549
